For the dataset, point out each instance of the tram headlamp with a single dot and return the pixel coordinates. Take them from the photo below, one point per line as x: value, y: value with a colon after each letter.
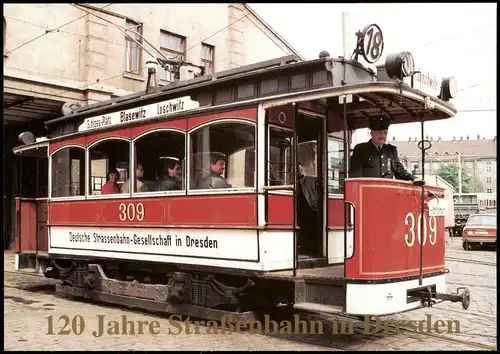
x: 26, y: 138
x: 448, y: 89
x: 399, y: 65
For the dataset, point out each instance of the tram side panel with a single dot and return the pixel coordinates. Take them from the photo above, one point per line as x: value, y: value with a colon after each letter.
x: 219, y: 230
x: 386, y: 259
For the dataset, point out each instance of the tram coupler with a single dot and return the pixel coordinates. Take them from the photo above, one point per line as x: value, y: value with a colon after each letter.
x: 463, y: 297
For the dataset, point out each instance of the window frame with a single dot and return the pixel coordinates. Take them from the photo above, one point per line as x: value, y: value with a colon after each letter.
x: 71, y: 197
x: 222, y: 191
x: 341, y: 141
x: 268, y: 157
x: 212, y: 61
x: 129, y: 50
x: 133, y: 158
x: 165, y: 50
x: 88, y: 171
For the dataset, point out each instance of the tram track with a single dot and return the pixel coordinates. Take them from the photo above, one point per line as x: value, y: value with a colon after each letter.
x: 471, y: 261
x: 329, y: 338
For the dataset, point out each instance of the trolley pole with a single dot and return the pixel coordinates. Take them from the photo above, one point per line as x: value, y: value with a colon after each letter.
x: 295, y: 187
x: 422, y: 200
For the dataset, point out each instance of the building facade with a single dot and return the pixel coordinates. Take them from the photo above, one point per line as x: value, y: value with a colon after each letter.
x: 475, y: 156
x: 82, y: 54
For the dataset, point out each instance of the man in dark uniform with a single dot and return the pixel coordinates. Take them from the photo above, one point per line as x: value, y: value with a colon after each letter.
x: 377, y: 159
x: 307, y: 213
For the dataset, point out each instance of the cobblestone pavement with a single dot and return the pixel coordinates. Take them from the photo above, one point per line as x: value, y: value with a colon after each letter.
x: 29, y: 305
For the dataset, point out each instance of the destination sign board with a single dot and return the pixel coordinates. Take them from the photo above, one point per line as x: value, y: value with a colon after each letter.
x: 142, y: 113
x: 426, y: 82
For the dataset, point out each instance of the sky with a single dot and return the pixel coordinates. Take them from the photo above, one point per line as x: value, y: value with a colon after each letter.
x: 456, y: 40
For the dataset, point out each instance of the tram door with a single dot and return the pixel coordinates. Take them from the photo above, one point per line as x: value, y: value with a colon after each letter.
x: 310, y: 129
x: 31, y: 203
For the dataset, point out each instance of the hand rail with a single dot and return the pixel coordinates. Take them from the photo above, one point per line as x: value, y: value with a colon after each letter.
x: 287, y: 187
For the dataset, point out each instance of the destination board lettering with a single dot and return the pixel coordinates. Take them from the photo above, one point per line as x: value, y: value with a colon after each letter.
x: 129, y: 116
x: 152, y: 240
x: 130, y: 242
x: 170, y: 107
x: 147, y: 112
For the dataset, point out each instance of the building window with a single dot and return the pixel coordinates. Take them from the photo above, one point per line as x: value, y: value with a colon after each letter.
x: 223, y: 156
x: 207, y: 58
x: 109, y: 171
x: 173, y: 46
x: 488, y: 180
x: 68, y: 172
x: 133, y: 53
x: 161, y: 154
x: 489, y: 190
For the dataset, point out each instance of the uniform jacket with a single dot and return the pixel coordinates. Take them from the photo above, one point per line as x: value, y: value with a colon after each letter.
x: 167, y: 183
x: 308, y: 186
x: 213, y: 180
x: 368, y: 161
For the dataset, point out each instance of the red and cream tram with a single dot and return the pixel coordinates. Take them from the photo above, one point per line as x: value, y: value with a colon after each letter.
x: 232, y: 245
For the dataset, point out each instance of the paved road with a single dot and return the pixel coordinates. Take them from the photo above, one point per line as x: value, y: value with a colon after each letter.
x: 29, y: 305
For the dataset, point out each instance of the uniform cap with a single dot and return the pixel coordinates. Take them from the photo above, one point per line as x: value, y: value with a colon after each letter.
x: 379, y: 124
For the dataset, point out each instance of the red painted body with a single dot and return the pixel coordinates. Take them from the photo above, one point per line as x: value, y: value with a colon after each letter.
x: 32, y: 231
x: 175, y: 211
x: 280, y: 211
x: 381, y: 251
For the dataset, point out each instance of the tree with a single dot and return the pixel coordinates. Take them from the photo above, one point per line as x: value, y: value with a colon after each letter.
x: 449, y: 172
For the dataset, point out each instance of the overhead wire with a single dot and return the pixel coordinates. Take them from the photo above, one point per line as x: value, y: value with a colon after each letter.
x: 47, y: 31
x: 121, y: 72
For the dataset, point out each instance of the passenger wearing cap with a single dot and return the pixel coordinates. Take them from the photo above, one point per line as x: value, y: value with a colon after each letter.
x: 377, y: 159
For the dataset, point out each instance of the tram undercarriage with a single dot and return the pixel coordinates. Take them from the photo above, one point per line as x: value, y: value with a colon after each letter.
x: 225, y: 295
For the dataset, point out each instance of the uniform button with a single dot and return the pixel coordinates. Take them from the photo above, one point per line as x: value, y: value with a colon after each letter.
x: 383, y: 165
x: 382, y: 156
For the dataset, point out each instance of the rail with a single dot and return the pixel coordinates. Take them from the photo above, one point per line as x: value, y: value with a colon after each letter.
x: 288, y: 187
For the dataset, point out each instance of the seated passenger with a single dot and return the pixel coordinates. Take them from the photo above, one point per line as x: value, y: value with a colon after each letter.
x: 111, y: 187
x: 213, y: 178
x: 140, y: 186
x: 170, y: 180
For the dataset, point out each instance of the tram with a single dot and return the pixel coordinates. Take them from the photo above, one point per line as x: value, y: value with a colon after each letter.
x: 226, y: 238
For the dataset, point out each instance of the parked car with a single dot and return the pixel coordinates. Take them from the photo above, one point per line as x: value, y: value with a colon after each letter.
x: 481, y: 229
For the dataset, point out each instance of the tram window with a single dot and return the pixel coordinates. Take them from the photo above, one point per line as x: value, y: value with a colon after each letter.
x: 68, y: 172
x: 161, y: 155
x: 106, y: 157
x: 223, y: 156
x: 280, y: 162
x: 336, y: 169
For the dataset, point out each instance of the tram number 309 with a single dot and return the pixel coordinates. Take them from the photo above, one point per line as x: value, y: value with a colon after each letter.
x: 131, y: 212
x: 412, y: 222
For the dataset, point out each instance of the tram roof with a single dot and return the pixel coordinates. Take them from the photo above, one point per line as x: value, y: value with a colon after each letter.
x: 287, y: 76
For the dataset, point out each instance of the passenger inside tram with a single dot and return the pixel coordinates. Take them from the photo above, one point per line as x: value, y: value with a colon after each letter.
x: 111, y: 186
x: 213, y: 177
x: 307, y: 212
x: 139, y: 185
x: 170, y: 179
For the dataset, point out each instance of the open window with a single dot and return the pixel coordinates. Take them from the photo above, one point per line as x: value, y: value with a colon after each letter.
x: 109, y: 166
x: 160, y: 161
x: 223, y: 155
x: 68, y: 172
x: 336, y: 171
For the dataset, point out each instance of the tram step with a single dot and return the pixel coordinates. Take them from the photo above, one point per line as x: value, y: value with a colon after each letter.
x: 305, y: 262
x: 313, y: 307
